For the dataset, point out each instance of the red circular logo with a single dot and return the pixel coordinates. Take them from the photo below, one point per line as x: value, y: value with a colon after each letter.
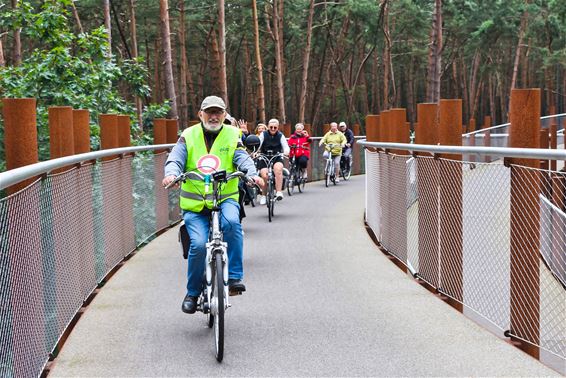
x: 208, y: 164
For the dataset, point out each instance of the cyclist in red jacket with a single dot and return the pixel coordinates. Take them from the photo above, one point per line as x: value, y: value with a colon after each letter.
x: 301, y: 140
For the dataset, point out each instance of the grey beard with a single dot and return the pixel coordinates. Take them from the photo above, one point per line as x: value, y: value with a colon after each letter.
x: 210, y: 128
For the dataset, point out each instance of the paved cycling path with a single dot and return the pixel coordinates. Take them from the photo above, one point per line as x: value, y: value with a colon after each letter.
x: 321, y: 301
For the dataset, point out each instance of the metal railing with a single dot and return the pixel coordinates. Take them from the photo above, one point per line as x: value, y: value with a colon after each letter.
x: 498, y: 136
x: 62, y: 234
x: 490, y: 236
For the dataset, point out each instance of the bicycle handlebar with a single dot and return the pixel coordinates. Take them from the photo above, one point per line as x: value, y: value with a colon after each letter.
x: 206, y: 178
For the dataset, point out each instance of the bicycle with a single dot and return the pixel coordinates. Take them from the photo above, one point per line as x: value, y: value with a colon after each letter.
x: 213, y: 301
x: 329, y: 168
x: 270, y: 195
x: 295, y: 174
x: 346, y: 167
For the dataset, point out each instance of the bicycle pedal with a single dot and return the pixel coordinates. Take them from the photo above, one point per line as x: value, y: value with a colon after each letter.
x: 233, y: 293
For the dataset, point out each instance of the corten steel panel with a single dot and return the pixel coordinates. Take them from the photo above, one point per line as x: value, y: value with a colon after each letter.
x: 525, y: 216
x: 161, y: 196
x: 81, y: 130
x: 372, y: 127
x: 108, y: 132
x: 559, y: 224
x: 22, y: 336
x: 159, y: 132
x: 20, y: 135
x: 356, y: 159
x: 123, y: 123
x: 172, y: 130
x: 61, y: 140
x: 384, y: 126
x: 429, y: 247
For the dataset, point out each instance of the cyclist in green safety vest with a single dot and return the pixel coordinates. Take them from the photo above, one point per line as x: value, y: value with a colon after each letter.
x: 206, y: 147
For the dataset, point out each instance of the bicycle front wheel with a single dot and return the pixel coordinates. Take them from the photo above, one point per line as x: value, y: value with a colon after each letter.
x: 291, y: 182
x: 218, y: 299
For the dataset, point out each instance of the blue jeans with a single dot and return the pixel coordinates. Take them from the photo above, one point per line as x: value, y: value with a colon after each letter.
x: 197, y: 225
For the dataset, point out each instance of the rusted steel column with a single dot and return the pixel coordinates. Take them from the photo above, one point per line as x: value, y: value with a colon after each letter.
x: 108, y: 132
x: 553, y: 129
x: 472, y: 125
x: 308, y: 128
x: 487, y: 136
x: 356, y: 129
x: 372, y: 124
x: 451, y: 237
x: 398, y: 128
x: 24, y: 328
x: 525, y: 220
x: 159, y: 132
x: 426, y: 132
x: 81, y: 131
x: 61, y: 140
x: 20, y: 135
x: 384, y: 132
x: 172, y: 129
x: 123, y: 130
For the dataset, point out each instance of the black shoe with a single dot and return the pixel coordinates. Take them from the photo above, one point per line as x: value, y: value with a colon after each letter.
x: 236, y: 286
x: 189, y: 304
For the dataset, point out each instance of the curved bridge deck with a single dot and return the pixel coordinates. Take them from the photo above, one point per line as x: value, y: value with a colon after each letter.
x: 321, y: 301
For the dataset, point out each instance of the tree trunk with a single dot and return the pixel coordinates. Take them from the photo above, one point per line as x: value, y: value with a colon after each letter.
x: 522, y: 28
x: 2, y: 60
x: 216, y: 66
x: 134, y: 37
x: 261, y: 90
x: 306, y: 60
x: 17, y: 53
x: 107, y: 24
x: 222, y: 45
x: 386, y: 53
x: 168, y: 69
x: 183, y: 114
x: 157, y: 92
x: 277, y: 33
x: 375, y: 98
x: 76, y: 16
x: 435, y: 54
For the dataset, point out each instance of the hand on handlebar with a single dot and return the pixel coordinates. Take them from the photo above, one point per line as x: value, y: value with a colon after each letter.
x: 255, y: 180
x: 168, y: 180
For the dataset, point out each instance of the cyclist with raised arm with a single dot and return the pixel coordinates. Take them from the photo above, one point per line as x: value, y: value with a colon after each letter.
x: 207, y: 147
x: 272, y: 141
x: 335, y: 138
x: 301, y: 140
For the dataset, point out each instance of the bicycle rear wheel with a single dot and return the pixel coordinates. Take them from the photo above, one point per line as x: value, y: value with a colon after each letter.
x: 218, y: 298
x: 300, y: 181
x: 347, y: 170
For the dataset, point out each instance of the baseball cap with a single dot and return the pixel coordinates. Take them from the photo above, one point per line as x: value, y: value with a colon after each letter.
x: 213, y: 102
x: 342, y: 124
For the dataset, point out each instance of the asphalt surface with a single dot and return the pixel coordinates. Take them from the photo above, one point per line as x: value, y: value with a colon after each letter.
x: 321, y: 301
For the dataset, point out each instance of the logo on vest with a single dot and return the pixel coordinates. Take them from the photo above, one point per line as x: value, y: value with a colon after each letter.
x: 208, y: 164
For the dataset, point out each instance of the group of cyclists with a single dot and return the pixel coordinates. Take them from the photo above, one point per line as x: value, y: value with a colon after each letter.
x: 217, y: 143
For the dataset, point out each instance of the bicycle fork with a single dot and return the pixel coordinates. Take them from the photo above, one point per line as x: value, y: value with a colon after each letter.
x: 216, y: 248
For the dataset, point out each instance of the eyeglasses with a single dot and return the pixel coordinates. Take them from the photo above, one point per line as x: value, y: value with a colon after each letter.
x: 273, y: 127
x: 214, y: 111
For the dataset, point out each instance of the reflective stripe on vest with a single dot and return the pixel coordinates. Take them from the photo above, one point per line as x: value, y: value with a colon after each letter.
x: 193, y: 197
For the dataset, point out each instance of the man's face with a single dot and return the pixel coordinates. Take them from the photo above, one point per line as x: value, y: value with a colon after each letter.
x: 273, y: 127
x: 212, y: 118
x: 343, y: 128
x: 333, y: 127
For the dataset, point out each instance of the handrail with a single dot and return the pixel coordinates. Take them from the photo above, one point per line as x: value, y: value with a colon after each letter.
x: 14, y: 176
x: 509, y: 124
x: 526, y: 153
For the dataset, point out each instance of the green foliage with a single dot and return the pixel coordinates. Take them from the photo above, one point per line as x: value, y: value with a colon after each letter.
x: 67, y: 69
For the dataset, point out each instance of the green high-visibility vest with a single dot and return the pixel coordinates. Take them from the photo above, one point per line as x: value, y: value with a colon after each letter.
x: 220, y: 157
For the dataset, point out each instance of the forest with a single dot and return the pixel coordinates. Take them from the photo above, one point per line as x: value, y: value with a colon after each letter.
x: 311, y: 61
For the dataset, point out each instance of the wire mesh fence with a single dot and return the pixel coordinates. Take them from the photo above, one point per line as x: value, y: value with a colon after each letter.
x: 489, y: 236
x: 60, y: 236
